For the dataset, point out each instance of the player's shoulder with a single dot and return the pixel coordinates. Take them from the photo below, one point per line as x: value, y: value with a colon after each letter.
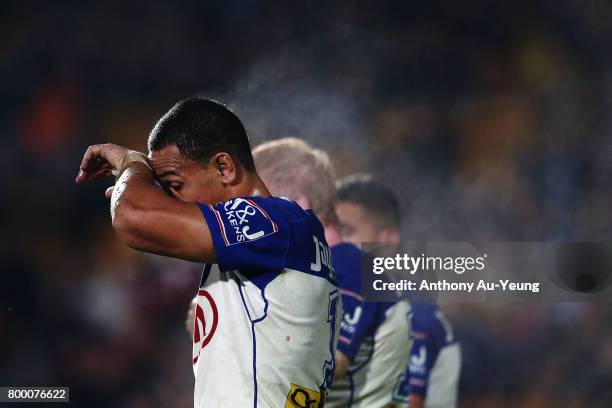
x: 304, y: 230
x: 346, y: 255
x: 241, y: 220
x: 346, y: 259
x: 274, y: 213
x: 425, y: 309
x: 286, y: 210
x: 267, y: 234
x: 428, y: 319
x: 424, y: 315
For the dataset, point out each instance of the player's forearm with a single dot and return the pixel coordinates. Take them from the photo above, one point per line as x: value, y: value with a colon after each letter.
x: 134, y: 196
x: 342, y: 364
x: 416, y: 401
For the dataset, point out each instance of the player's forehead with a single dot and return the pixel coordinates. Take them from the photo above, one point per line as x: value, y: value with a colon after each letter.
x: 351, y: 212
x: 167, y: 160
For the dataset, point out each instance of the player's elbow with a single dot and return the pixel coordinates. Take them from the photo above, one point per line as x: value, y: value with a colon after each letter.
x: 127, y: 221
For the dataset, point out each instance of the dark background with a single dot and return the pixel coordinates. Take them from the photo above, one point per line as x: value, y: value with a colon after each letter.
x: 491, y: 119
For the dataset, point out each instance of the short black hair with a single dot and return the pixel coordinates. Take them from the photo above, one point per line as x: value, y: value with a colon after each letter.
x: 375, y: 198
x: 201, y: 128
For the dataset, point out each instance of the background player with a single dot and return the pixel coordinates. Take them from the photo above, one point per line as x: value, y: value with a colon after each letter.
x: 372, y: 350
x: 265, y: 327
x: 368, y: 211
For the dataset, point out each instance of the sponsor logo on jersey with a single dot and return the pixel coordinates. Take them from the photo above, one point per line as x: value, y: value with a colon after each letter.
x: 349, y: 322
x: 205, y: 322
x: 302, y: 397
x: 242, y: 220
x: 417, y: 361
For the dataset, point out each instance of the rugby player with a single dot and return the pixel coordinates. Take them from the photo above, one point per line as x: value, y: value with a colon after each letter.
x: 369, y: 212
x: 372, y: 350
x: 265, y: 316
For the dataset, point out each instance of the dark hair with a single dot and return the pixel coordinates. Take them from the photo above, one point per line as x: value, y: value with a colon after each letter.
x: 375, y: 198
x: 201, y: 128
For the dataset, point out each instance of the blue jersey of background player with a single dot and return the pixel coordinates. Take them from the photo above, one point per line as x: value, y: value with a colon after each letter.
x: 369, y: 212
x: 432, y: 376
x: 373, y: 338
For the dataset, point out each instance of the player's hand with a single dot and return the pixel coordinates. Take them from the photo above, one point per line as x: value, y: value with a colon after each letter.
x: 100, y: 161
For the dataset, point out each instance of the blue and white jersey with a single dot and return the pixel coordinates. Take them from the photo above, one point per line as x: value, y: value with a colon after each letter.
x: 435, y: 359
x: 266, y: 317
x: 373, y: 336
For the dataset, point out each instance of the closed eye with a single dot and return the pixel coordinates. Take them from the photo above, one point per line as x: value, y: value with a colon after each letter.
x: 171, y: 186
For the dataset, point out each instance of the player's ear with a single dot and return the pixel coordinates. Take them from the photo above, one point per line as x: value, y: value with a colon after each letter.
x: 225, y: 166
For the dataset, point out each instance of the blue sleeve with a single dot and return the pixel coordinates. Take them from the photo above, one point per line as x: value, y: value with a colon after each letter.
x: 247, y: 234
x: 358, y: 322
x: 424, y: 352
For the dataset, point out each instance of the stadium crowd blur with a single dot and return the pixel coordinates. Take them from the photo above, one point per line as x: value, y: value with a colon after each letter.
x: 492, y: 120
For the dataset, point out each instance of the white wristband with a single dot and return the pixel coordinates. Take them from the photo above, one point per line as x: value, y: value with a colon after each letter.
x: 130, y: 157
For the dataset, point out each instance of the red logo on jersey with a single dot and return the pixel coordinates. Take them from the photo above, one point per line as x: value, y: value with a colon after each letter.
x: 205, y: 322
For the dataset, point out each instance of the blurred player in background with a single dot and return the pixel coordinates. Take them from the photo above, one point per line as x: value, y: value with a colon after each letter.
x: 369, y: 212
x: 265, y: 314
x: 372, y: 349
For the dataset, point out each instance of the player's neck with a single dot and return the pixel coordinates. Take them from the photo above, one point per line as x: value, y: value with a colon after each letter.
x: 250, y: 186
